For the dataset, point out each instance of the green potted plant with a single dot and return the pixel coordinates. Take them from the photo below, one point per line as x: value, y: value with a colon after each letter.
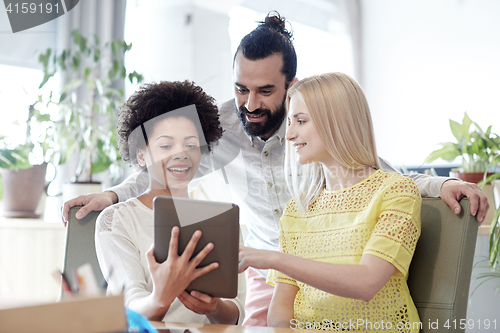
x: 23, y: 167
x: 85, y: 126
x: 479, y: 150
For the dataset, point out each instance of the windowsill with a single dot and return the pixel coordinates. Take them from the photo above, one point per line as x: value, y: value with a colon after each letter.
x: 484, y: 230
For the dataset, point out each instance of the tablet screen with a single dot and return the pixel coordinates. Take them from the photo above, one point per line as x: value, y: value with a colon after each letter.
x: 219, y: 224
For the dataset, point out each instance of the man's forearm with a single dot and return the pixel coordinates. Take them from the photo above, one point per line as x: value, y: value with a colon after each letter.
x: 131, y: 187
x: 428, y: 186
x: 112, y: 195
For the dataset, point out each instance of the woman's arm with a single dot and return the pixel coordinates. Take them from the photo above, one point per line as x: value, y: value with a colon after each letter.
x: 362, y: 281
x: 280, y: 311
x: 218, y: 311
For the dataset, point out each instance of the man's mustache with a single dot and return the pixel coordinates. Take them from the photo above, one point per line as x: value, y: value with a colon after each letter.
x: 257, y: 112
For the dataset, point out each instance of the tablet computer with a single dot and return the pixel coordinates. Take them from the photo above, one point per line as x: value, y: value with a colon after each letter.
x: 219, y: 224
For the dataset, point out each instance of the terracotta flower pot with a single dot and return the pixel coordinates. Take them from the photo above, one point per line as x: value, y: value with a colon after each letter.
x: 22, y: 190
x: 471, y: 177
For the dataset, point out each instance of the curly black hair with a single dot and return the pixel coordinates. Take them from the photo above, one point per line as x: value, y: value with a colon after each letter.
x: 157, y: 99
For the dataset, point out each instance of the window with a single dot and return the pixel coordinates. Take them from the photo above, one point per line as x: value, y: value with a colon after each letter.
x: 17, y: 92
x: 318, y: 51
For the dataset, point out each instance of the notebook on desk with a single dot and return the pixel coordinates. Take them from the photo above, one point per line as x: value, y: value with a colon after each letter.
x: 219, y: 224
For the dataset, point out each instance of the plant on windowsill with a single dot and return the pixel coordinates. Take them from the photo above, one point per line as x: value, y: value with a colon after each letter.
x: 480, y: 152
x: 23, y: 166
x: 85, y: 126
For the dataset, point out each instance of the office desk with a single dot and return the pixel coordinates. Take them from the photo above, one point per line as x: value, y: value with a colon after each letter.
x: 213, y: 328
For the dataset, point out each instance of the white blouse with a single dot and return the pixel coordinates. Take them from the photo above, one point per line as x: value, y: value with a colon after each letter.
x: 124, y: 233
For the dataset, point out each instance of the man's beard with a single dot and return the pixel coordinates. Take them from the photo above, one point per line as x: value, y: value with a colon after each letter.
x: 261, y: 129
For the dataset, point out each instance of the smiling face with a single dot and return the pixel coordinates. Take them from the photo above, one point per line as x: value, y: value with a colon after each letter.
x: 302, y: 133
x: 172, y: 155
x: 260, y: 90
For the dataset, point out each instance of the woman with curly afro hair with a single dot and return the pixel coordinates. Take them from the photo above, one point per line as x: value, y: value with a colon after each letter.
x: 163, y: 128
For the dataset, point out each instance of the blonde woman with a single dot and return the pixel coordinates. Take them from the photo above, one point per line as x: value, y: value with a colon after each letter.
x: 349, y: 232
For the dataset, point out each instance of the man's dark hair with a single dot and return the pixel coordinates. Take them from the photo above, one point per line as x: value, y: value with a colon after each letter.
x: 271, y: 37
x: 156, y: 100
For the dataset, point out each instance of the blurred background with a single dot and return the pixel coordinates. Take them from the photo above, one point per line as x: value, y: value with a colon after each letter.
x: 420, y: 63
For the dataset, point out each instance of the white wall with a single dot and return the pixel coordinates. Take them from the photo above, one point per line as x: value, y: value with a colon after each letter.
x: 425, y: 62
x: 179, y: 40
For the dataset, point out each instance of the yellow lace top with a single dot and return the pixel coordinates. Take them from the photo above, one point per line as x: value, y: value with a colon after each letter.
x: 378, y: 216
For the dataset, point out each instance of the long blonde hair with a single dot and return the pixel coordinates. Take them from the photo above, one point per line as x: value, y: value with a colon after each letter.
x: 341, y: 116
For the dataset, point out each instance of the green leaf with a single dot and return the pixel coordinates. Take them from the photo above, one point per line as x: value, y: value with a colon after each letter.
x: 44, y: 58
x: 86, y: 72
x: 76, y: 61
x: 43, y: 117
x: 116, y: 67
x: 83, y: 44
x: 488, y: 131
x: 72, y: 85
x: 76, y: 36
x: 114, y: 48
x: 456, y: 130
x: 63, y: 97
x: 15, y: 159
x: 61, y: 60
x: 102, y: 161
x: 488, y: 179
x: 466, y: 122
x: 138, y: 77
x: 97, y: 55
x: 46, y: 78
x: 494, y: 242
x: 447, y: 153
x: 5, y: 163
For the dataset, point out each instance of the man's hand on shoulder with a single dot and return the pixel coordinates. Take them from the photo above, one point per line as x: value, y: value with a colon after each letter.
x: 90, y: 202
x: 453, y: 190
